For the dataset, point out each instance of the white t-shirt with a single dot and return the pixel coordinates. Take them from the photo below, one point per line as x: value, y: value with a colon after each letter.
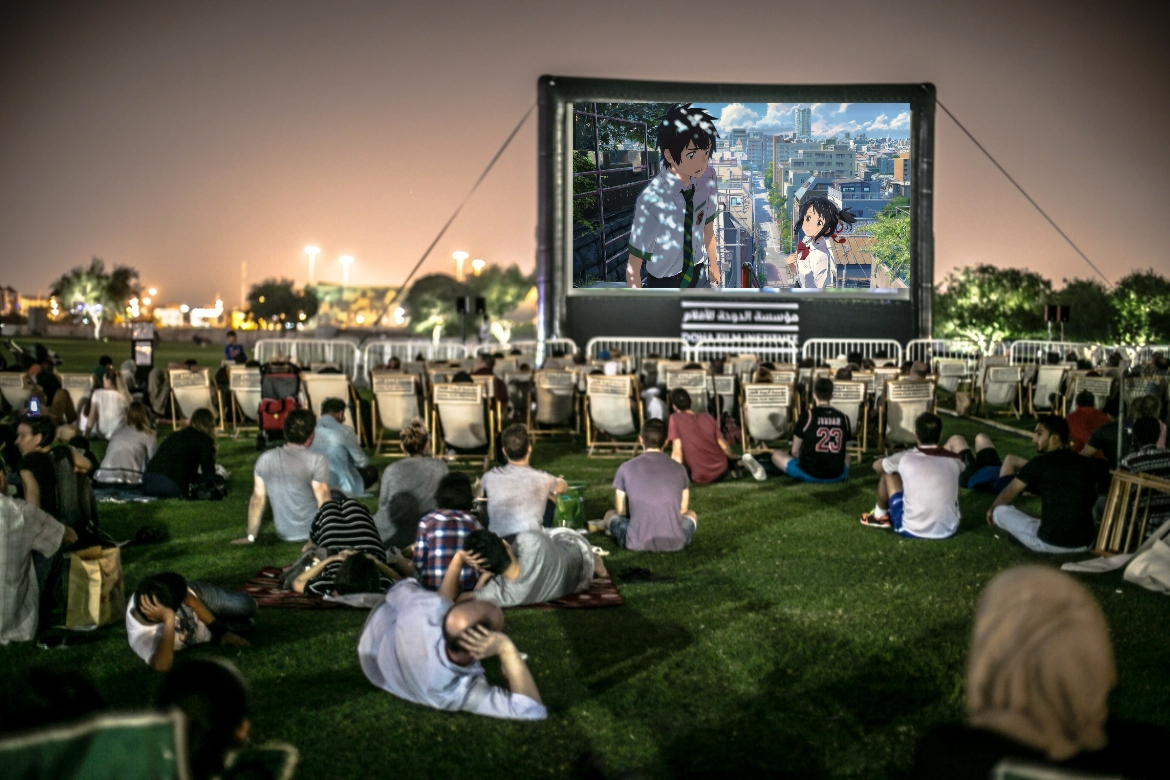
x: 813, y: 270
x: 656, y: 234
x: 144, y: 637
x: 930, y: 490
x: 402, y: 650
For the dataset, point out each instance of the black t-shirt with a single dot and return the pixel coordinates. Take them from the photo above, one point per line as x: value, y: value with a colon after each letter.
x: 1104, y: 440
x: 823, y: 432
x: 965, y: 753
x: 1067, y: 484
x: 40, y: 465
x: 182, y: 456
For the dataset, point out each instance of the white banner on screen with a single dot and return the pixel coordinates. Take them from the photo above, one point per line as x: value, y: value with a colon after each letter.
x: 733, y: 320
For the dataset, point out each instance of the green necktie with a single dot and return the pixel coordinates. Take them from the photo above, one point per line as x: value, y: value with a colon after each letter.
x: 688, y: 273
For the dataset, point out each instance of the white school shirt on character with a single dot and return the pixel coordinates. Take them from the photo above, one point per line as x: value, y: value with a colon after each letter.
x: 813, y: 270
x: 656, y: 234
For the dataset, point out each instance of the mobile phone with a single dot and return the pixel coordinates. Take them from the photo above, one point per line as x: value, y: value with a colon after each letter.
x: 34, y: 407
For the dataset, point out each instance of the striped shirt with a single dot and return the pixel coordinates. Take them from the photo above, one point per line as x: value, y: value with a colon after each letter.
x: 440, y: 536
x: 1154, y: 461
x: 346, y: 525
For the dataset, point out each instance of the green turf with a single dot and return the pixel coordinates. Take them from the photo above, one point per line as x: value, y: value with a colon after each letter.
x: 792, y: 641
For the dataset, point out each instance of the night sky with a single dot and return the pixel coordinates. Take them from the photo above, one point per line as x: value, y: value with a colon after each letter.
x: 184, y: 138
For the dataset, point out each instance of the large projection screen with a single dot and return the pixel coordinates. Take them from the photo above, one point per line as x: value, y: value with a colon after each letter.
x: 605, y: 193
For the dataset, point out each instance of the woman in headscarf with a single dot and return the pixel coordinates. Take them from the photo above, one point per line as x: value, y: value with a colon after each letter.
x: 1038, y: 682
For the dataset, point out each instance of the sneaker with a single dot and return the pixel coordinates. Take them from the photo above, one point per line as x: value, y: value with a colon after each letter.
x: 876, y: 522
x: 753, y: 465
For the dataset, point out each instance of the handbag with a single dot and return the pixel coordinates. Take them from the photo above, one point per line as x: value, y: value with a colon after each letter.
x: 1151, y: 568
x: 96, y: 593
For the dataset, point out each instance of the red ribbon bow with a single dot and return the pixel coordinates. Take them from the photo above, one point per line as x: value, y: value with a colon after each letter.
x: 802, y: 248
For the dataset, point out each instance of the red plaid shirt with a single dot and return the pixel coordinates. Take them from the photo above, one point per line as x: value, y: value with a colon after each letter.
x: 440, y: 536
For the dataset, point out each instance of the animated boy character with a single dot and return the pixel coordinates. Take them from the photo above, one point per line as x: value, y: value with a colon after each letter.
x: 674, y: 218
x: 819, y: 220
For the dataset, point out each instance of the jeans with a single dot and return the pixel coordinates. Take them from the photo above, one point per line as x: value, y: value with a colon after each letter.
x: 1025, y: 528
x: 233, y: 609
x: 619, y: 525
x: 160, y: 486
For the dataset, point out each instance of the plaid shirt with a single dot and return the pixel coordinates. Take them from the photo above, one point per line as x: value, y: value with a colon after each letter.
x: 23, y: 528
x: 440, y: 536
x: 1154, y: 461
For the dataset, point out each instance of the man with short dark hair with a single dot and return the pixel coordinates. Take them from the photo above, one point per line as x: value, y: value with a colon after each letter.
x: 518, y: 496
x: 441, y: 533
x: 698, y: 444
x: 420, y: 647
x: 294, y: 477
x: 233, y: 351
x: 1067, y: 484
x: 1084, y: 421
x: 1103, y: 444
x: 339, y: 444
x: 651, y: 497
x: 918, y: 489
x: 818, y: 442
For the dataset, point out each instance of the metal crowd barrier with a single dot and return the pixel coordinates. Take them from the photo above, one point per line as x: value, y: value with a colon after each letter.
x: 306, y: 352
x: 777, y: 349
x: 636, y: 347
x: 879, y: 350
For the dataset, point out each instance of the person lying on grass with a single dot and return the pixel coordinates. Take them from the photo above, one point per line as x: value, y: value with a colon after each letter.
x: 167, y: 613
x: 538, y: 566
x: 344, y: 526
x: 420, y: 647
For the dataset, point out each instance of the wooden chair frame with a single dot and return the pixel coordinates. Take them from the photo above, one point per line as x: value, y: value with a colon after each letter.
x: 1125, y: 512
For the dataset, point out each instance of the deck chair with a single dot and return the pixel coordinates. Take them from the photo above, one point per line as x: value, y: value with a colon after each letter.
x: 765, y: 414
x: 15, y: 389
x: 461, y: 417
x: 725, y: 400
x: 613, y: 406
x: 146, y: 745
x: 1101, y: 387
x: 952, y: 373
x: 648, y: 372
x: 849, y: 398
x: 190, y: 391
x: 396, y: 403
x: 742, y: 366
x: 1002, y: 385
x: 519, y: 384
x: 1127, y: 511
x: 904, y: 400
x: 1046, y: 387
x: 694, y: 382
x: 986, y: 362
x: 318, y: 387
x: 555, y: 394
x: 882, y: 377
x: 488, y: 383
x: 79, y: 386
x: 245, y: 390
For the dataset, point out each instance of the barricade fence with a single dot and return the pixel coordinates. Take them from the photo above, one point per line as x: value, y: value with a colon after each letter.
x: 309, y: 352
x: 928, y: 349
x: 636, y: 347
x: 1028, y: 351
x: 376, y: 353
x: 879, y: 350
x: 777, y: 349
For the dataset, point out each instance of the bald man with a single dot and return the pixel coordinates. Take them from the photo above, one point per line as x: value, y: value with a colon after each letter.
x: 420, y: 647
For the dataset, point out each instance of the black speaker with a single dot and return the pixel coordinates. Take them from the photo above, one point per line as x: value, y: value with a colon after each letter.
x: 480, y: 306
x: 461, y: 305
x: 1055, y: 313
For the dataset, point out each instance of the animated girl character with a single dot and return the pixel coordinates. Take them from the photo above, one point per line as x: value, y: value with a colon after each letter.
x: 819, y: 220
x: 673, y: 232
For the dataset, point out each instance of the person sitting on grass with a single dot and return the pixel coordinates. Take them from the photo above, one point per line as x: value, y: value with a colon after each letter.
x: 38, y: 475
x: 167, y: 613
x: 182, y: 459
x: 130, y: 449
x: 339, y: 445
x: 1084, y: 421
x: 1152, y: 459
x: 519, y: 497
x: 697, y: 444
x: 818, y: 442
x: 1102, y: 445
x: 918, y: 489
x: 294, y: 477
x: 984, y: 470
x: 651, y: 497
x: 535, y: 568
x: 441, y: 533
x: 342, y: 528
x: 1067, y: 484
x: 408, y: 487
x: 420, y: 647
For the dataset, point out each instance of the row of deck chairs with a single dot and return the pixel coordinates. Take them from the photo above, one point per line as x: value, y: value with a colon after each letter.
x: 1025, y: 388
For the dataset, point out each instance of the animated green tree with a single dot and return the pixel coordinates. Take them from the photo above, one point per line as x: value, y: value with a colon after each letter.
x: 93, y: 296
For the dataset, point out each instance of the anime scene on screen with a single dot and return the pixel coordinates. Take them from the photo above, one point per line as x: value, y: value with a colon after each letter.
x: 766, y: 196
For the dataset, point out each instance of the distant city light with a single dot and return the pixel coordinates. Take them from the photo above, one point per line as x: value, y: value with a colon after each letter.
x: 145, y: 301
x: 361, y: 319
x: 459, y: 256
x: 153, y: 291
x: 399, y: 315
x: 184, y: 308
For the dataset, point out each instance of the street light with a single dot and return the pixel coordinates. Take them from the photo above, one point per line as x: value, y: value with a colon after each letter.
x: 477, y: 265
x: 459, y: 256
x: 312, y: 252
x: 346, y: 261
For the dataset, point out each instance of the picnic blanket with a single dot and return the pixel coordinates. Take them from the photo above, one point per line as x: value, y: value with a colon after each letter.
x: 121, y: 494
x: 266, y: 588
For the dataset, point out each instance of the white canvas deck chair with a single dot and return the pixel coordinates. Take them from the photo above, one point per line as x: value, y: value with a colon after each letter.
x: 882, y: 377
x: 191, y: 391
x: 742, y: 366
x: 766, y: 414
x: 1003, y: 385
x: 614, y: 407
x: 849, y: 398
x: 904, y: 401
x: 952, y: 373
x: 396, y: 403
x: 1101, y: 387
x: 79, y: 387
x: 694, y: 382
x: 725, y: 396
x: 987, y: 362
x: 555, y: 394
x: 16, y: 390
x: 244, y: 385
x: 488, y: 383
x: 319, y: 387
x: 1046, y: 389
x: 461, y: 418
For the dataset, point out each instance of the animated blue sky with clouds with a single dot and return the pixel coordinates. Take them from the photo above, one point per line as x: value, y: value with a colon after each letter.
x: 876, y: 120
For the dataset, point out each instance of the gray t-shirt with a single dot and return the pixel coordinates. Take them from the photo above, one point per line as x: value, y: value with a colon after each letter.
x: 407, y: 493
x: 288, y: 473
x: 553, y: 564
x: 516, y: 497
x: 653, y: 484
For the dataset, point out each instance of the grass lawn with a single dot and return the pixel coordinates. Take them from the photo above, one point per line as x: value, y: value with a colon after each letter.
x: 792, y: 640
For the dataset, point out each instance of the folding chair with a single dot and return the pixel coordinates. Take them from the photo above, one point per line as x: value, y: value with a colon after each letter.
x: 724, y: 394
x: 904, y: 400
x: 1127, y: 511
x: 742, y: 366
x: 882, y: 377
x: 396, y: 403
x: 694, y: 382
x: 15, y: 389
x: 191, y: 390
x: 765, y: 414
x: 461, y: 417
x: 1002, y: 385
x: 1045, y: 395
x: 519, y: 384
x: 79, y: 387
x: 555, y: 393
x: 1102, y: 388
x: 849, y: 398
x: 319, y: 387
x: 986, y: 362
x: 488, y: 383
x: 614, y: 407
x: 952, y: 373
x: 245, y: 390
